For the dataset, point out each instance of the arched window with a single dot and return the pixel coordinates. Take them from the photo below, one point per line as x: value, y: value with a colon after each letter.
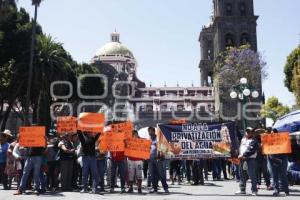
x: 245, y: 39
x: 229, y: 40
x: 209, y: 50
x: 229, y: 9
x: 243, y: 9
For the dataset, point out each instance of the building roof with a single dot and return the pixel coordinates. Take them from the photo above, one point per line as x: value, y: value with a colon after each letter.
x: 114, y: 47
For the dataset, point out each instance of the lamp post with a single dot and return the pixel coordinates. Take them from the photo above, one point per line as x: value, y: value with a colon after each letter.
x: 243, y: 91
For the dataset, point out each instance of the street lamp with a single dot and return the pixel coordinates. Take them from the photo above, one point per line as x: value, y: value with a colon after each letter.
x: 243, y: 91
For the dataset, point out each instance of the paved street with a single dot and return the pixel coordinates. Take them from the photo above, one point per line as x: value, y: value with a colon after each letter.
x: 218, y: 190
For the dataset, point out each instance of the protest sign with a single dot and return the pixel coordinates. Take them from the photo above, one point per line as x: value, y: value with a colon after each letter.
x: 196, y: 140
x: 110, y: 141
x: 66, y: 124
x: 32, y: 136
x: 137, y: 148
x: 91, y: 122
x: 276, y: 143
x: 123, y: 127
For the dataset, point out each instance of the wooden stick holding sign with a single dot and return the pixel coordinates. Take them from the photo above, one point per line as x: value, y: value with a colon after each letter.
x: 91, y: 122
x: 32, y: 136
x: 66, y: 124
x: 276, y: 143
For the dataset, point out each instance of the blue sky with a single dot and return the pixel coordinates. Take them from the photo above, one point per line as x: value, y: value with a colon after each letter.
x: 163, y: 35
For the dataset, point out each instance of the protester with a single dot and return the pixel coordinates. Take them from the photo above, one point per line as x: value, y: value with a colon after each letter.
x: 174, y: 171
x: 197, y: 168
x: 11, y: 167
x: 262, y: 166
x: 89, y: 162
x: 19, y: 154
x: 33, y: 161
x: 66, y: 161
x: 294, y: 172
x: 157, y: 164
x: 135, y: 170
x: 248, y: 153
x: 100, y: 157
x: 4, y: 136
x: 117, y: 162
x: 52, y: 162
x: 279, y: 164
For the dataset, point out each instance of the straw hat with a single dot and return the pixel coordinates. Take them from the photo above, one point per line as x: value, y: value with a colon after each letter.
x: 7, y: 132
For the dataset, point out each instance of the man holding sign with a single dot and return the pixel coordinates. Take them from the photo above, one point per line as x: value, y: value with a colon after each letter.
x: 135, y: 167
x: 34, y: 138
x: 279, y: 164
x: 88, y: 143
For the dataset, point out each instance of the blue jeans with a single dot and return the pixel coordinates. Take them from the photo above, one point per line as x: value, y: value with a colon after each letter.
x: 43, y: 180
x: 89, y: 163
x: 101, y: 168
x: 3, y: 176
x: 34, y: 163
x: 250, y: 172
x: 216, y: 168
x: 280, y: 174
x: 121, y: 168
x: 235, y: 171
x: 158, y: 171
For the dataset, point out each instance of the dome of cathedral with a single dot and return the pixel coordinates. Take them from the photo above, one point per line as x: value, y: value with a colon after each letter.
x: 114, y: 47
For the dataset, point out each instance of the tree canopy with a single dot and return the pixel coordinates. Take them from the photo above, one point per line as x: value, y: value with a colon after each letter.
x: 51, y: 63
x: 273, y: 109
x: 235, y: 63
x: 292, y: 73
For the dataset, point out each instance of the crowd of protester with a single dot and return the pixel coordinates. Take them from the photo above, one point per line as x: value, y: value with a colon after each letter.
x: 74, y: 162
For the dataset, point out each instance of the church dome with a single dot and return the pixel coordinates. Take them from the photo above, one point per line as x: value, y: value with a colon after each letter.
x: 115, y: 47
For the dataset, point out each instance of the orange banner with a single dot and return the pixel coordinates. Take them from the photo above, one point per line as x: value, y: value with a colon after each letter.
x: 124, y: 127
x: 110, y: 141
x: 138, y: 148
x: 32, y: 136
x: 67, y: 124
x: 276, y: 143
x: 91, y: 122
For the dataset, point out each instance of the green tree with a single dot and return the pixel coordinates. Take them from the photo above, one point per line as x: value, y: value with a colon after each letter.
x: 236, y: 63
x: 292, y: 61
x: 296, y: 82
x: 52, y: 63
x: 273, y: 109
x: 15, y: 33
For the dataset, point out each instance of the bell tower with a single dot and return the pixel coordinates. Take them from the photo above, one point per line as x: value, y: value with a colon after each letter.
x: 233, y: 23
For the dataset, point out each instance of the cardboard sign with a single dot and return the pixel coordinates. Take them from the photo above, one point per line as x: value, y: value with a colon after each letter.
x: 110, y: 141
x: 67, y: 124
x: 138, y: 148
x: 276, y: 143
x: 32, y: 136
x: 124, y: 127
x: 91, y: 122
